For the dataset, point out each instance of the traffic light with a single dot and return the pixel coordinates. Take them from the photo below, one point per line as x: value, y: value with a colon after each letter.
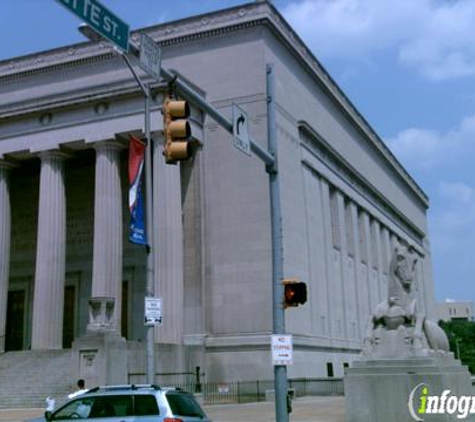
x: 176, y: 130
x: 295, y: 293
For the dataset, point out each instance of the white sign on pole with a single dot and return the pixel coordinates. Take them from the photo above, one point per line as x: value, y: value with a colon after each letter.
x: 241, y: 130
x: 282, y: 349
x: 153, y: 311
x: 150, y: 59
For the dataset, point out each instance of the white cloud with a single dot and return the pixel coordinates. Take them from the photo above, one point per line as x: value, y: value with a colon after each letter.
x: 455, y: 215
x: 419, y: 146
x: 433, y: 36
x: 426, y: 149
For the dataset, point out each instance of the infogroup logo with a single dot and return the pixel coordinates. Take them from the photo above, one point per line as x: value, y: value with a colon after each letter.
x: 421, y: 403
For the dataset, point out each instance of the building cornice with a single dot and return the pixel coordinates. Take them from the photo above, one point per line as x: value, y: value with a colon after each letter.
x: 70, y: 99
x: 260, y: 13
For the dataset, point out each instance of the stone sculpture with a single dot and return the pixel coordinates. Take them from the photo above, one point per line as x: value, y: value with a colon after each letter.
x: 397, y: 329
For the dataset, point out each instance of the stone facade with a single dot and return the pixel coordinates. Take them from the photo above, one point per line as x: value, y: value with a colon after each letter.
x: 64, y: 119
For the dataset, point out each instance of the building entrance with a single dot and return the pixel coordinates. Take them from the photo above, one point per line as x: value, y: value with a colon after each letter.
x: 14, y: 334
x: 68, y: 318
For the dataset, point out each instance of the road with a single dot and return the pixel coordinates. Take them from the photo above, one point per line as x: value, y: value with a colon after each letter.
x: 305, y: 409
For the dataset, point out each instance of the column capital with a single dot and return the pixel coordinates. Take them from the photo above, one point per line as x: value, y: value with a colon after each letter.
x: 109, y: 145
x: 54, y: 153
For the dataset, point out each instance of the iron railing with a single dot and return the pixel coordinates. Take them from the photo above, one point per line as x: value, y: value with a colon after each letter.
x: 245, y: 391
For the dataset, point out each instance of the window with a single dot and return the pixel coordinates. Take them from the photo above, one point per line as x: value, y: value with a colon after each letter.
x: 330, y: 369
x: 78, y: 409
x: 145, y: 405
x: 184, y: 405
x: 111, y: 406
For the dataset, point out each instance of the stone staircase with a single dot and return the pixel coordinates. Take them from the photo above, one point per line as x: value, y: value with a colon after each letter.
x: 28, y: 377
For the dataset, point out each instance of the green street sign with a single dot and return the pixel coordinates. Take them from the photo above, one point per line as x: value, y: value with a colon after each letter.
x: 102, y: 20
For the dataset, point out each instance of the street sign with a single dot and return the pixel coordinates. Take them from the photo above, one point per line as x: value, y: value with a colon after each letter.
x: 101, y: 19
x: 150, y: 56
x: 241, y: 130
x: 282, y: 349
x: 153, y: 311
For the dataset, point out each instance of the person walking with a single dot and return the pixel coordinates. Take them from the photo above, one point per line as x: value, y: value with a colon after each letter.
x: 81, y: 389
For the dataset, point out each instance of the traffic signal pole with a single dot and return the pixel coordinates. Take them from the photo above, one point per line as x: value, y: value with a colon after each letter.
x: 150, y: 268
x: 278, y: 315
x: 149, y: 286
x: 270, y: 160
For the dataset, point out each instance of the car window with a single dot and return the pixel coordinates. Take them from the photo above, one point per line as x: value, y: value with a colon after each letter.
x: 145, y: 404
x: 184, y: 405
x: 77, y: 409
x: 111, y: 406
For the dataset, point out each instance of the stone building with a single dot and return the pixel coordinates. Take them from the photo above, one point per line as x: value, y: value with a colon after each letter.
x: 65, y: 115
x: 451, y: 310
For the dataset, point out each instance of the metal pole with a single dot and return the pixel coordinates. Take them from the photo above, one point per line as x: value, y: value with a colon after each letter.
x: 149, y: 286
x: 280, y: 371
x: 150, y: 349
x: 191, y: 95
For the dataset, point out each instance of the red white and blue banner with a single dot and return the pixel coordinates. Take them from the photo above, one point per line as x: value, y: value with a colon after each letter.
x: 136, y: 204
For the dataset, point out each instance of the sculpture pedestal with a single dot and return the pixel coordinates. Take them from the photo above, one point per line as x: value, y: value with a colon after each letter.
x: 101, y: 358
x: 379, y: 390
x: 102, y: 353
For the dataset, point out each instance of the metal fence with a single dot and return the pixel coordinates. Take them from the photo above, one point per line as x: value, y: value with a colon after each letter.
x: 255, y: 391
x: 244, y: 391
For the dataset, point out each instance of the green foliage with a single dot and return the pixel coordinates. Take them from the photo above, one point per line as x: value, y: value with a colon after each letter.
x: 461, y: 336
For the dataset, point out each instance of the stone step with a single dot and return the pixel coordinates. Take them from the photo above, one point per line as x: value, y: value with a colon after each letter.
x: 28, y: 377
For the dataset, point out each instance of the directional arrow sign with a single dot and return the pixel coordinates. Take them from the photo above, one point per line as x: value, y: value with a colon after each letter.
x: 282, y: 349
x: 241, y: 130
x: 101, y: 19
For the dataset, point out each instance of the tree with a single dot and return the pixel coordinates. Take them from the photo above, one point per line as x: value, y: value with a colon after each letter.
x: 461, y: 335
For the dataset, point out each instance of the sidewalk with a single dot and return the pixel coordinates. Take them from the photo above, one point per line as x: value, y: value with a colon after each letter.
x: 305, y: 409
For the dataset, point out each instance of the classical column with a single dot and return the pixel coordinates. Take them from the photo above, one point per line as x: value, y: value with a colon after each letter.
x: 48, y: 305
x: 107, y: 258
x: 5, y: 230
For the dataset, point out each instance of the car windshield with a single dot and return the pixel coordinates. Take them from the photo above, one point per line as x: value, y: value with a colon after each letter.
x: 184, y: 405
x: 96, y: 407
x: 77, y: 409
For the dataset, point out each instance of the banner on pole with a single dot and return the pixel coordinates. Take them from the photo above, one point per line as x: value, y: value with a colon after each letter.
x: 136, y: 206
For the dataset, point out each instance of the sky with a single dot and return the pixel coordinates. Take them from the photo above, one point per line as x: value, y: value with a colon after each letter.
x: 408, y: 66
